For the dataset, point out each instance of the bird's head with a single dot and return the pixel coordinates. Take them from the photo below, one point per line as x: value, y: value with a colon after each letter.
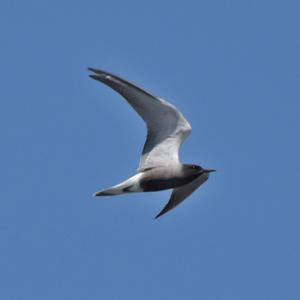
x: 196, y: 170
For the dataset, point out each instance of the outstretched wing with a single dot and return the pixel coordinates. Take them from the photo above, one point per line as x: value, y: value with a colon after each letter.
x: 179, y: 194
x: 167, y: 127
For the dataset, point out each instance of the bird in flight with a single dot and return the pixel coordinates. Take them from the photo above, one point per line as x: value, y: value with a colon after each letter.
x: 159, y: 167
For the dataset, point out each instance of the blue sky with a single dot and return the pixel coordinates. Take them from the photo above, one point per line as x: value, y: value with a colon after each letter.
x: 232, y: 68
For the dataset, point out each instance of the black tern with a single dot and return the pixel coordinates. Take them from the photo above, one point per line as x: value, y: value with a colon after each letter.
x: 159, y: 167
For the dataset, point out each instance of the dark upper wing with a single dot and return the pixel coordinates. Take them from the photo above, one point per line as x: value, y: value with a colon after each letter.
x: 179, y: 194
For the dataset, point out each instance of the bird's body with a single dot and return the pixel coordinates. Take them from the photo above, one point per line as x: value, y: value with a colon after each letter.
x: 152, y: 180
x: 164, y: 178
x: 159, y: 167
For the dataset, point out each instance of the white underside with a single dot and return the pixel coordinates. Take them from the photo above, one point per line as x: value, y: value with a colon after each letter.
x: 132, y: 184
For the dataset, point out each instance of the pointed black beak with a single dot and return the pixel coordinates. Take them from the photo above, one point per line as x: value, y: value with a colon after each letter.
x: 209, y: 170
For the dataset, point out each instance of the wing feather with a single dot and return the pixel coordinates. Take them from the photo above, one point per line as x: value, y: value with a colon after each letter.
x: 166, y: 126
x: 181, y: 193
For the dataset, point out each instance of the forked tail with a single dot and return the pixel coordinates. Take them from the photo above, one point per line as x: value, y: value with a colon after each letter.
x: 130, y: 185
x: 110, y: 192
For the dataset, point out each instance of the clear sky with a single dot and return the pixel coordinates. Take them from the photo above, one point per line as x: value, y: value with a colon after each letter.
x: 231, y: 67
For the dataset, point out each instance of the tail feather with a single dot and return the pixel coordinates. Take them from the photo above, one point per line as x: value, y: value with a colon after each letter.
x: 109, y: 192
x: 130, y: 185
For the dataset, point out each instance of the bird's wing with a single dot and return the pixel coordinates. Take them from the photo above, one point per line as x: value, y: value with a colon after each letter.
x: 179, y: 194
x: 167, y: 127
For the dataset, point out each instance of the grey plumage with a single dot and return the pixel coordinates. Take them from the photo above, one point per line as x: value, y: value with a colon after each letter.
x: 159, y: 166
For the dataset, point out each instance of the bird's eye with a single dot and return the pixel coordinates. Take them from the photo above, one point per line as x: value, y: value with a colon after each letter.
x: 195, y: 167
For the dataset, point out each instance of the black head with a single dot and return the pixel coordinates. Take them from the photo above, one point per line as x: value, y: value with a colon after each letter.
x: 195, y: 169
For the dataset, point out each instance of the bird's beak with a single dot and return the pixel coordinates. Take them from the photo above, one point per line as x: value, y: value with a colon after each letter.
x: 209, y: 170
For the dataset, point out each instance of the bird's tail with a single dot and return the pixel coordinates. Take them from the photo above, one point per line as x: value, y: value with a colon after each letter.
x: 110, y: 192
x: 130, y: 185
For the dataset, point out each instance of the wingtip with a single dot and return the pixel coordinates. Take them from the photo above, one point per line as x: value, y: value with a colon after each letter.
x: 159, y: 215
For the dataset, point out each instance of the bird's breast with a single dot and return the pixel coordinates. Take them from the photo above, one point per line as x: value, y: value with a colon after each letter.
x: 161, y: 179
